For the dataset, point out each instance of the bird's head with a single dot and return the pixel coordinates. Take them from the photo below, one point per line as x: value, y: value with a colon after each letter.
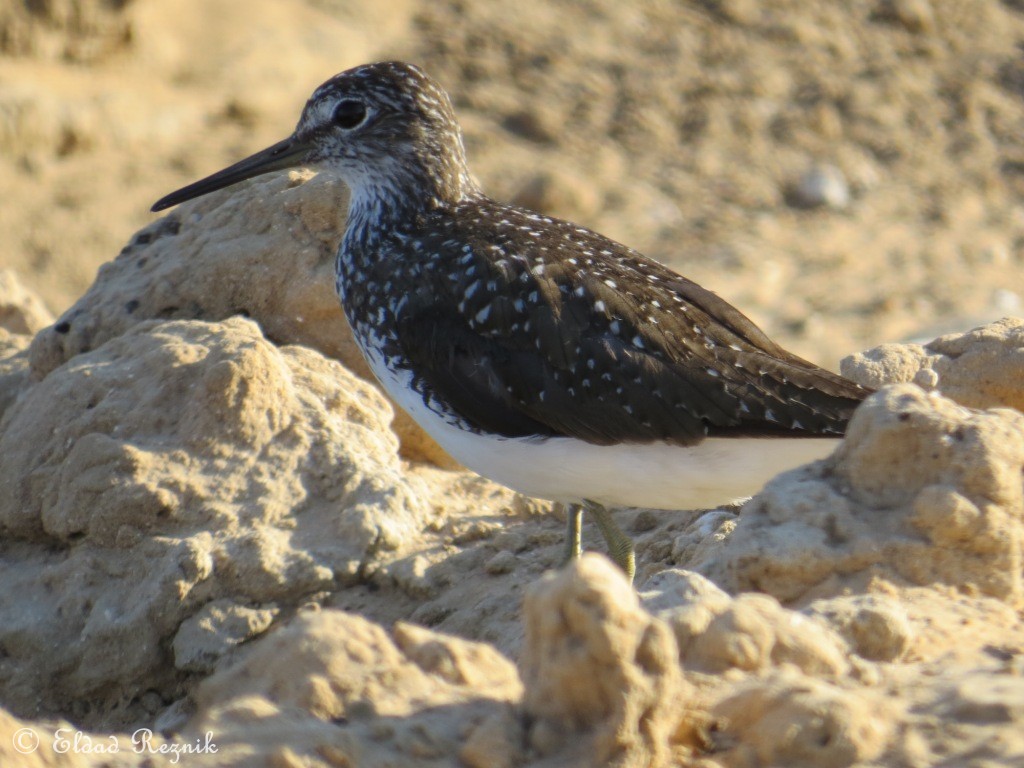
x: 384, y: 128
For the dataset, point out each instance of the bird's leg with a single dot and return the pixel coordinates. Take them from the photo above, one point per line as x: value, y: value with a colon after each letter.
x: 620, y: 546
x: 573, y: 532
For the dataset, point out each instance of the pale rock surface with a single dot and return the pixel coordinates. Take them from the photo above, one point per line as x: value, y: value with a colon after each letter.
x: 922, y: 490
x: 14, y: 367
x: 332, y: 688
x: 215, y: 629
x: 21, y: 310
x: 951, y: 711
x: 982, y: 368
x: 751, y: 632
x: 265, y: 250
x: 178, y: 464
x: 48, y: 744
x: 72, y: 30
x: 22, y: 313
x: 601, y: 675
x: 876, y: 627
x: 600, y: 686
x: 802, y: 722
x: 925, y: 488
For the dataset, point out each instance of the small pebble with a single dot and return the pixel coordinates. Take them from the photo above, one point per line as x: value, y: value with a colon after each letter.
x: 822, y: 185
x: 912, y: 15
x: 644, y: 521
x: 151, y: 702
x: 174, y: 717
x: 926, y: 378
x: 1006, y: 301
x: 533, y: 125
x: 503, y: 562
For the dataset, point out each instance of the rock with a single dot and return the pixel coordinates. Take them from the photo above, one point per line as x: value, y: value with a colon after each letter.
x: 22, y: 313
x: 215, y: 629
x: 982, y: 368
x: 534, y: 125
x: 983, y: 698
x: 52, y: 744
x: 206, y: 260
x: 755, y: 633
x: 494, y: 743
x: 675, y: 588
x: 336, y: 686
x: 601, y: 675
x: 704, y: 534
x: 14, y: 368
x: 876, y: 627
x: 922, y: 490
x: 178, y: 464
x: 744, y: 12
x: 751, y: 632
x: 821, y: 186
x: 797, y: 721
x: 912, y: 15
x: 904, y: 442
x: 503, y: 562
x: 887, y: 364
x: 683, y: 164
x: 21, y: 310
x: 72, y: 30
x: 460, y: 663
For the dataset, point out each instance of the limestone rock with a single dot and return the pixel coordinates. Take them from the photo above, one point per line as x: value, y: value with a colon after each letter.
x: 177, y: 464
x: 596, y: 664
x: 215, y: 629
x: 822, y: 185
x: 72, y: 30
x: 716, y: 632
x: 334, y: 687
x: 982, y: 368
x: 921, y: 490
x: 50, y: 744
x: 14, y: 367
x: 471, y: 664
x: 877, y: 627
x: 986, y: 698
x: 797, y: 721
x: 676, y: 590
x: 21, y: 310
x: 912, y: 15
x: 265, y: 250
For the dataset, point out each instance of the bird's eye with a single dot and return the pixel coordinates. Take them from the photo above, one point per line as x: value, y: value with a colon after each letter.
x: 349, y: 113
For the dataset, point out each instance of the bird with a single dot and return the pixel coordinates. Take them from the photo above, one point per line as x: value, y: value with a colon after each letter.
x: 537, y: 352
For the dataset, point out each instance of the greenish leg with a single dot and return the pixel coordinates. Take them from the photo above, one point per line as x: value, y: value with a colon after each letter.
x: 620, y: 546
x: 573, y: 532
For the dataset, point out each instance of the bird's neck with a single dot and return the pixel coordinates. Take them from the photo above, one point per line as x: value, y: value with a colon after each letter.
x: 399, y: 189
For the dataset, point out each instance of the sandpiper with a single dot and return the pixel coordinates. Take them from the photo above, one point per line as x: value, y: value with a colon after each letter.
x: 539, y: 353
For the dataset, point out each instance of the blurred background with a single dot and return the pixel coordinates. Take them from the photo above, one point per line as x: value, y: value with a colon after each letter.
x: 847, y: 173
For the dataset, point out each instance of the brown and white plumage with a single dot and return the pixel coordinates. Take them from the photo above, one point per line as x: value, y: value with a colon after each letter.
x: 539, y: 352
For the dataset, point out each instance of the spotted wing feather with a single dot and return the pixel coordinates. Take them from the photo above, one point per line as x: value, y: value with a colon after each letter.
x: 536, y: 326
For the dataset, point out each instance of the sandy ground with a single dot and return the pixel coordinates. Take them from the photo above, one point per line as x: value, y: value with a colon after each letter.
x: 206, y: 522
x: 683, y: 129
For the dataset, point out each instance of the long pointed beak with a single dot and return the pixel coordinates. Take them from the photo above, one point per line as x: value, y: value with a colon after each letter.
x: 285, y: 154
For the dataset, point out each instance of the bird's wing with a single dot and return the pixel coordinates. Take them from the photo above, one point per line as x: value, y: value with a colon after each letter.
x: 612, y: 348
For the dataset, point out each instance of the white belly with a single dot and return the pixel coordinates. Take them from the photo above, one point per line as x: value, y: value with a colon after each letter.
x: 654, y: 475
